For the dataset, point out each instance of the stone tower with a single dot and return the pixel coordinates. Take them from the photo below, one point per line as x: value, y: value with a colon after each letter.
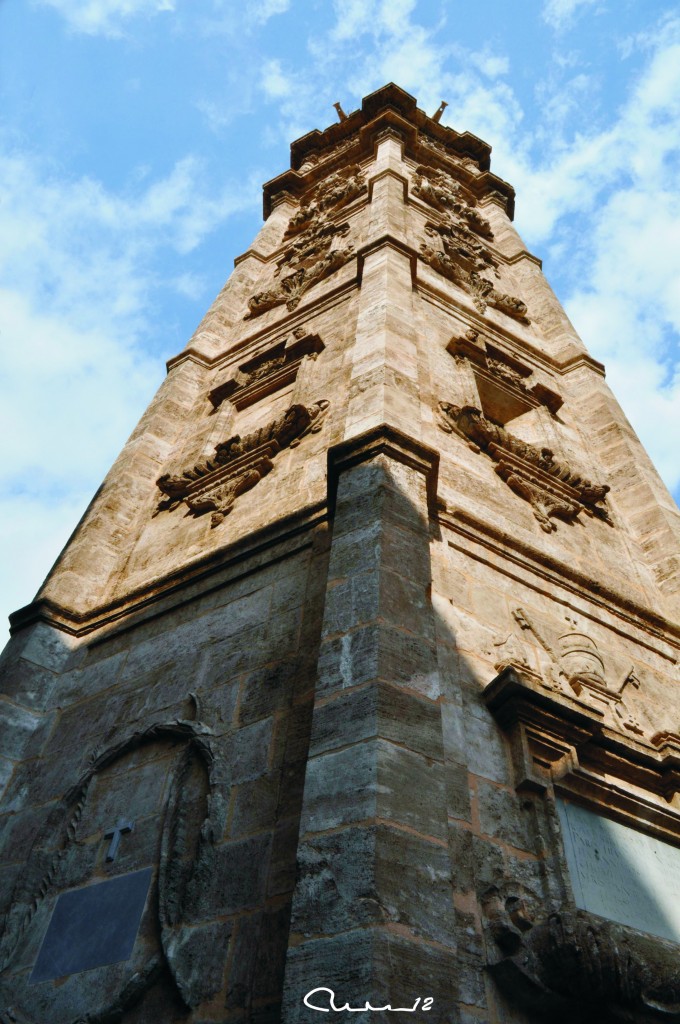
x: 360, y: 671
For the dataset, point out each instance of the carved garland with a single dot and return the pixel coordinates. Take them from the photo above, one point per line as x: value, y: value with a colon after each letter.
x: 238, y: 464
x: 552, y: 487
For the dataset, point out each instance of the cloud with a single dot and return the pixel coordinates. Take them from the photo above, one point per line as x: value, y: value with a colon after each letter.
x: 274, y: 82
x: 560, y: 13
x: 82, y: 283
x: 260, y: 11
x: 105, y: 17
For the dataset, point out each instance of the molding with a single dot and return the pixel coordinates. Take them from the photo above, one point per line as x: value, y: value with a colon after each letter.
x: 142, y: 604
x: 354, y: 139
x: 556, y: 738
x: 387, y: 173
x: 191, y: 355
x: 577, y: 362
x: 383, y: 440
x: 506, y: 551
x: 383, y: 242
x: 523, y: 254
x: 251, y: 254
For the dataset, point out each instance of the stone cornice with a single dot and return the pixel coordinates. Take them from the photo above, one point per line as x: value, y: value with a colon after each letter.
x: 169, y: 591
x: 558, y: 739
x: 355, y: 138
x: 383, y: 440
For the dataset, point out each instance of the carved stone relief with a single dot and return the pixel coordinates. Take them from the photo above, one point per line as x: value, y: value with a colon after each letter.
x: 507, y: 386
x: 313, y: 252
x: 552, y: 487
x: 193, y: 820
x: 457, y: 252
x: 238, y: 464
x: 573, y: 665
x: 268, y: 372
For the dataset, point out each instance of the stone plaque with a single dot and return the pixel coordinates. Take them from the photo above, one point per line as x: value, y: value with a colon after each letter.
x: 93, y: 926
x: 620, y: 873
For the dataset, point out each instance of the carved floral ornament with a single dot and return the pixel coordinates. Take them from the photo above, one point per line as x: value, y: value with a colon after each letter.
x: 551, y: 486
x: 456, y: 251
x: 313, y: 251
x: 238, y: 465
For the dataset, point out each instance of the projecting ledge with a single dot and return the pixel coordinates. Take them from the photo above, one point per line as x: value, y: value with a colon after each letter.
x: 383, y: 440
x: 387, y: 242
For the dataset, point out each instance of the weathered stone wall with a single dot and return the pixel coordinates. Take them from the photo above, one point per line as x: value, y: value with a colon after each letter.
x: 231, y: 670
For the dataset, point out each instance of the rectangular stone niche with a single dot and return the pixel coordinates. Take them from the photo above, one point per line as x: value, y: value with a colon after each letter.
x: 93, y: 926
x: 622, y: 874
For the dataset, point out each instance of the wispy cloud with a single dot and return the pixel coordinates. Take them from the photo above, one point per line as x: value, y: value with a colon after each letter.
x: 560, y: 13
x: 105, y: 17
x: 81, y: 288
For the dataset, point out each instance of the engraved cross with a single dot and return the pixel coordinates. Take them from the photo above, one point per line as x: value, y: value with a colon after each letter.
x: 114, y: 834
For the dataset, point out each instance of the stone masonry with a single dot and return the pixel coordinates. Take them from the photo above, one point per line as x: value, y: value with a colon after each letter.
x: 376, y: 610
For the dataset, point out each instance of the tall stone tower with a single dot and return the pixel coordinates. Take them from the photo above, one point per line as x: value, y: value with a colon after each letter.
x: 357, y: 684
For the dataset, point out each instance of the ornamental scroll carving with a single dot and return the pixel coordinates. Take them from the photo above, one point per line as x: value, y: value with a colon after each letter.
x: 456, y: 251
x: 551, y: 486
x: 214, y: 484
x: 313, y: 251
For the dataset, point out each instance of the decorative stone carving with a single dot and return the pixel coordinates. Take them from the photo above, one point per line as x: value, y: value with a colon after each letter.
x: 313, y: 255
x: 575, y: 666
x: 238, y: 464
x: 269, y: 372
x: 461, y: 259
x: 577, y: 966
x: 551, y: 486
x: 444, y: 193
x: 185, y: 861
x: 583, y: 742
x: 507, y: 387
x: 307, y: 260
x: 335, y: 192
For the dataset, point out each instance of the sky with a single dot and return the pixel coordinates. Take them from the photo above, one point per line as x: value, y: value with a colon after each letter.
x: 134, y: 139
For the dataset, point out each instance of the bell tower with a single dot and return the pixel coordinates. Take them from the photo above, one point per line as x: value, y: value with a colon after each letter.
x: 356, y: 685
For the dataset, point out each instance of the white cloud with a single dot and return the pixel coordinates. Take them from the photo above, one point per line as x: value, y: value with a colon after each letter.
x: 105, y: 17
x: 261, y: 11
x: 274, y: 83
x: 559, y: 13
x: 79, y: 267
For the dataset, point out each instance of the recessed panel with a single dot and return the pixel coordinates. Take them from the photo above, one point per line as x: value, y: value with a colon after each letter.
x: 622, y: 874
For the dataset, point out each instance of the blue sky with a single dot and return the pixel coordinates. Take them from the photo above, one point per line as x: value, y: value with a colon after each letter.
x: 134, y: 139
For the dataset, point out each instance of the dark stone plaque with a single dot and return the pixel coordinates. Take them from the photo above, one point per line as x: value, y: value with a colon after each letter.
x: 93, y: 926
